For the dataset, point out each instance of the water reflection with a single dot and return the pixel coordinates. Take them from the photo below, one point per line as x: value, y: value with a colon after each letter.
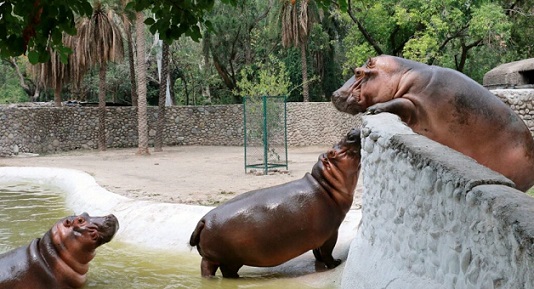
x: 27, y: 211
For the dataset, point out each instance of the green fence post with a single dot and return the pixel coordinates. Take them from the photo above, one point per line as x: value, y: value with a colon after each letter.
x: 265, y: 137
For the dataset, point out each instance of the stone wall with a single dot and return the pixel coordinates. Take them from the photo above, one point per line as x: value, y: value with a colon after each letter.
x: 433, y: 218
x: 521, y: 101
x: 50, y: 129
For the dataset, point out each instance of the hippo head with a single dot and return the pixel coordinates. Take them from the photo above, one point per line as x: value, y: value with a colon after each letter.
x: 339, y: 167
x: 71, y: 243
x: 86, y: 232
x: 375, y: 82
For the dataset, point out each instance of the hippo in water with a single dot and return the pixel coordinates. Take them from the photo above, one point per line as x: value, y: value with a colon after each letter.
x: 447, y: 107
x: 267, y: 227
x: 60, y: 259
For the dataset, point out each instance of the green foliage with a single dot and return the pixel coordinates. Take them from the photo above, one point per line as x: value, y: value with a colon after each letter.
x: 172, y: 19
x: 10, y: 89
x: 33, y: 27
x: 430, y: 31
x: 264, y: 79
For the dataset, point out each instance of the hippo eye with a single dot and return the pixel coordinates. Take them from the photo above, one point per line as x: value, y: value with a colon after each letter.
x: 358, y: 73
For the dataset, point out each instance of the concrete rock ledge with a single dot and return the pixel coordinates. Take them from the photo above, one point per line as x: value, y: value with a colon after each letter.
x: 434, y: 218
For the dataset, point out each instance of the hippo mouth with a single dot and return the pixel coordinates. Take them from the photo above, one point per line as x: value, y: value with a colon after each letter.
x: 106, y: 231
x: 349, y: 146
x: 349, y: 99
x: 99, y: 229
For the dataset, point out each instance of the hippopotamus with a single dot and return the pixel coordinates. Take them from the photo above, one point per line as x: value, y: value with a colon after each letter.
x: 447, y: 107
x: 267, y: 227
x: 60, y: 259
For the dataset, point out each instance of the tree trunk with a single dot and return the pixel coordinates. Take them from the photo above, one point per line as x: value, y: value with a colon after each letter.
x: 102, y: 108
x: 305, y: 88
x: 57, y: 96
x: 132, y: 64
x: 158, y: 140
x: 28, y: 88
x: 142, y: 120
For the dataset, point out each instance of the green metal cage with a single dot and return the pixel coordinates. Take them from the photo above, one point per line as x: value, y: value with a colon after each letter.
x: 265, y: 132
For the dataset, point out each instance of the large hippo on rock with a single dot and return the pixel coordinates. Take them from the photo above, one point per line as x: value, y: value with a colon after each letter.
x: 445, y: 106
x: 60, y: 259
x: 267, y: 227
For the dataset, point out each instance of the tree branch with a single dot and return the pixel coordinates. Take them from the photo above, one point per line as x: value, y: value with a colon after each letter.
x: 22, y: 79
x: 368, y: 37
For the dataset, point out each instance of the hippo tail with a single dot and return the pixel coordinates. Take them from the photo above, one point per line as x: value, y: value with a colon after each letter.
x: 195, y: 236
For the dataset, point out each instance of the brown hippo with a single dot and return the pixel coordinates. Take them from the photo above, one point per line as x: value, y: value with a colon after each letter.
x: 267, y: 227
x: 445, y: 106
x: 60, y: 259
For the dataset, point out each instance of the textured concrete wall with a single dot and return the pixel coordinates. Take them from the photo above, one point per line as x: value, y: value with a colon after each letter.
x: 433, y: 218
x: 50, y: 129
x: 521, y: 101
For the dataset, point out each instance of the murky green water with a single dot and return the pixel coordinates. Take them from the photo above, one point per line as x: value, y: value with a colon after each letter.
x: 27, y: 211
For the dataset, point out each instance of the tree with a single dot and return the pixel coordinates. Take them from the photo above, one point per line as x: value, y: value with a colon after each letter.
x: 127, y: 18
x: 158, y: 139
x: 25, y: 82
x: 98, y: 42
x: 142, y: 119
x: 37, y: 27
x: 54, y: 73
x: 296, y: 20
x: 230, y: 41
x: 426, y: 31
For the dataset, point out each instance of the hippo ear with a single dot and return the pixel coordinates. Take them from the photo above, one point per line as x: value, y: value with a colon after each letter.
x: 370, y: 63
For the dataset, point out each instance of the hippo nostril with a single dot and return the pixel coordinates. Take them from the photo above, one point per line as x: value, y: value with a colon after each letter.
x: 353, y: 135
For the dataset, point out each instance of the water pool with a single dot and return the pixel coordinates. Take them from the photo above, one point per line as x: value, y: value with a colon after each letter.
x: 28, y: 210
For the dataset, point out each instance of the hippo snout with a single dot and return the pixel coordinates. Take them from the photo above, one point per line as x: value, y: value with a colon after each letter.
x: 107, y: 226
x: 353, y: 135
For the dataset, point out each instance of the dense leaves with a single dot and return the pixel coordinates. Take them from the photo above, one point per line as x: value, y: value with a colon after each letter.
x: 33, y: 26
x: 244, y: 37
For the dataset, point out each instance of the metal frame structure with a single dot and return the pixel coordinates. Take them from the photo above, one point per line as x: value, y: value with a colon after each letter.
x: 268, y: 123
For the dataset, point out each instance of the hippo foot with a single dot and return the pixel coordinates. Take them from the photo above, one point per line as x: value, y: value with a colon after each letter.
x: 317, y: 255
x: 376, y: 109
x: 333, y: 264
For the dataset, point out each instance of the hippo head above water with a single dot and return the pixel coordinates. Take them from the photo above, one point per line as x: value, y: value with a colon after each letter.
x: 60, y: 259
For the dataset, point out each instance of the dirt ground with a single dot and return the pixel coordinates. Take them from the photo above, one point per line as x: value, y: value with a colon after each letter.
x: 206, y: 175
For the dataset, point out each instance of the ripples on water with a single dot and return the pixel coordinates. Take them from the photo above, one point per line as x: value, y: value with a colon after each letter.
x: 27, y: 211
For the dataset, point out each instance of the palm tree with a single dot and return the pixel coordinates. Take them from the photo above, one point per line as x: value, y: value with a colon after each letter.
x: 158, y: 139
x: 54, y: 73
x: 127, y: 18
x: 99, y: 41
x: 296, y: 21
x: 142, y: 119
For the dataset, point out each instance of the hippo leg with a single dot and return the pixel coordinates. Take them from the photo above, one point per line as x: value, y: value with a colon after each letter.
x: 208, y: 268
x: 402, y: 107
x: 230, y: 271
x: 324, y: 253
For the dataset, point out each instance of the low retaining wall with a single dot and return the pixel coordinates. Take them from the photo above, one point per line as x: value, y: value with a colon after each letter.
x: 51, y: 129
x: 433, y: 218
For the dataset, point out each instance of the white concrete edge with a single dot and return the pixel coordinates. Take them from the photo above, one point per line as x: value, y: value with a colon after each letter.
x: 146, y: 223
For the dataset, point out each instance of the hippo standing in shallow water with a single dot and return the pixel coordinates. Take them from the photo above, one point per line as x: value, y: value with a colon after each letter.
x: 60, y: 259
x: 445, y: 106
x: 267, y: 227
